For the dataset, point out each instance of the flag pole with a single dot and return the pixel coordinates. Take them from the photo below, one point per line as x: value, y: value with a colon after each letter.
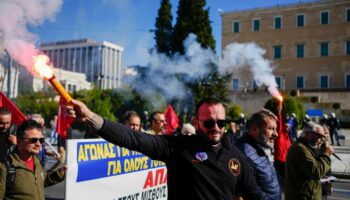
x: 53, y: 149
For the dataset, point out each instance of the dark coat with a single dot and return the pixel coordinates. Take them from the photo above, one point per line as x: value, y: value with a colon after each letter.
x: 304, y: 170
x: 265, y: 174
x: 194, y: 171
x: 28, y: 185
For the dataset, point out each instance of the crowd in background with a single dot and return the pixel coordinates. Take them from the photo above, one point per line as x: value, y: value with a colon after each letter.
x: 283, y: 136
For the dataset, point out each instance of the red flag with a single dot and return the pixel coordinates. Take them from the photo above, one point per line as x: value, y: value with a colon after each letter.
x: 172, y: 121
x: 63, y: 121
x: 17, y: 117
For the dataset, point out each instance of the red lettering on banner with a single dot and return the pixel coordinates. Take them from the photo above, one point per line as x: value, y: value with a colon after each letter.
x: 149, y: 180
x: 159, y: 178
x: 165, y: 178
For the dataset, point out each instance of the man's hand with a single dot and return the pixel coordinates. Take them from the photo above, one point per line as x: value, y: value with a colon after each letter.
x: 12, y: 139
x: 327, y: 149
x: 63, y: 170
x: 79, y: 110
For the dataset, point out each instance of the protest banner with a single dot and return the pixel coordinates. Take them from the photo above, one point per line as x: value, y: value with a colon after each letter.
x: 100, y: 170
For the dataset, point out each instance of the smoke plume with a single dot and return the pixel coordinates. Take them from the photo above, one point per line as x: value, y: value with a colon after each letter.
x: 237, y: 56
x: 160, y: 74
x: 15, y: 16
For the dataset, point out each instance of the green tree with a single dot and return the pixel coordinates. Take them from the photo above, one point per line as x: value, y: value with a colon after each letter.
x: 164, y: 28
x: 125, y: 100
x: 289, y: 105
x: 38, y: 103
x: 212, y: 85
x: 233, y: 111
x: 98, y: 101
x: 192, y: 18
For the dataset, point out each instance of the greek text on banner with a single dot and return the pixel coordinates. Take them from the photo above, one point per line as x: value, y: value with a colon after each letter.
x: 109, y: 160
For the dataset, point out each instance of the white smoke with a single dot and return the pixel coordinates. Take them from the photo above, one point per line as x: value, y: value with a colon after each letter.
x: 162, y: 71
x: 15, y: 16
x: 240, y: 55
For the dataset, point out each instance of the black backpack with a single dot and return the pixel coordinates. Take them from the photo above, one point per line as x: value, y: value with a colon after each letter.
x: 11, y: 172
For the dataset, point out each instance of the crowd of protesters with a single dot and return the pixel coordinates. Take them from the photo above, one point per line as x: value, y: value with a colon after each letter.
x: 22, y: 166
x: 191, y: 153
x: 213, y: 134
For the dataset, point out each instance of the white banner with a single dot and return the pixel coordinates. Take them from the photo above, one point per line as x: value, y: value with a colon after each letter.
x: 101, y: 170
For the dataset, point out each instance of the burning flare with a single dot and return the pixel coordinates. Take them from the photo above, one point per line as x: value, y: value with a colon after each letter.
x: 280, y: 99
x: 42, y: 67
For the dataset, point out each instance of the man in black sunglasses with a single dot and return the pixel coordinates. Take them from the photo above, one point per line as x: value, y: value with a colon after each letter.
x: 201, y: 166
x: 262, y: 129
x: 29, y: 177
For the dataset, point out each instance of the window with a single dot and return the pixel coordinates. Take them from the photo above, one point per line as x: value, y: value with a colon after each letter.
x: 324, y: 17
x: 324, y: 48
x: 347, y: 48
x: 300, y: 20
x: 300, y: 82
x: 236, y: 26
x: 279, y: 82
x: 256, y: 25
x: 278, y: 22
x: 277, y: 52
x: 347, y: 81
x: 348, y: 14
x: 235, y: 84
x: 300, y: 50
x: 324, y: 82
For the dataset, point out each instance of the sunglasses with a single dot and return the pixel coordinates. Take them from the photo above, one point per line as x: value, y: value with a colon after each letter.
x: 210, y: 123
x: 34, y: 140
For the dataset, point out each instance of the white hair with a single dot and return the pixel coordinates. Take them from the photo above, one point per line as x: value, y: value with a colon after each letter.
x: 311, y: 127
x: 188, y: 129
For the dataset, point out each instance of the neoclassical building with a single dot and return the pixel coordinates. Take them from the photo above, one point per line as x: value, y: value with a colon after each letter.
x: 308, y: 42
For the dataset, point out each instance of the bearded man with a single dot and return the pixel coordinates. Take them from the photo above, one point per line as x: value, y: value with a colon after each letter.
x: 262, y: 130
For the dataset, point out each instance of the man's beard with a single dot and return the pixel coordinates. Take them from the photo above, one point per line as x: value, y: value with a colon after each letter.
x: 268, y: 145
x: 315, y: 144
x: 206, y: 137
x: 264, y: 142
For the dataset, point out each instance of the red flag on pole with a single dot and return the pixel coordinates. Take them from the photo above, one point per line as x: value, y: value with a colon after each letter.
x: 172, y: 121
x: 63, y: 121
x: 17, y: 116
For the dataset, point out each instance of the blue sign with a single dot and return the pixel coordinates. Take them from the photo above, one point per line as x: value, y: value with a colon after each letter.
x: 314, y: 112
x: 109, y: 160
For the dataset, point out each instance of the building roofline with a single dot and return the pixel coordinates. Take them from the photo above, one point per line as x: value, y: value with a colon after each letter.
x: 84, y: 42
x: 286, y: 5
x: 65, y: 42
x: 109, y: 44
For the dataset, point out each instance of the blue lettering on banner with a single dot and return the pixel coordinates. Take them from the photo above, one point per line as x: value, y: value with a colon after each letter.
x: 102, y: 159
